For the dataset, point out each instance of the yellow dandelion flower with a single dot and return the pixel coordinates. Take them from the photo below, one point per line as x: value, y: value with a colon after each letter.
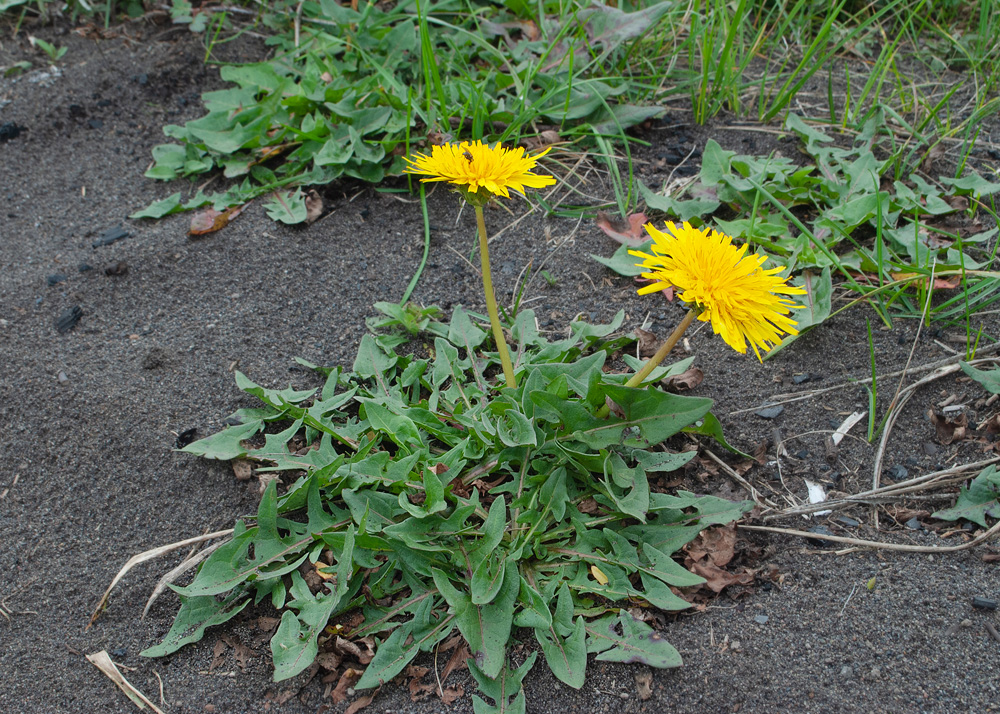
x: 474, y: 165
x: 742, y: 300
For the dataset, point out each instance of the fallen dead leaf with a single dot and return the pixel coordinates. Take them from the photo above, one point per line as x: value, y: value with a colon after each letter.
x: 949, y: 283
x: 242, y: 469
x: 346, y: 681
x: 459, y: 660
x: 644, y: 684
x: 218, y: 655
x: 685, y: 381
x: 314, y: 205
x: 949, y: 428
x: 630, y: 232
x: 208, y: 220
x: 717, y: 579
x: 450, y: 694
x: 647, y: 342
x: 361, y: 703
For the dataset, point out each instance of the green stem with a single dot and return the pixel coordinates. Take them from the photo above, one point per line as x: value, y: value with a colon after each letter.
x: 491, y: 301
x: 660, y: 355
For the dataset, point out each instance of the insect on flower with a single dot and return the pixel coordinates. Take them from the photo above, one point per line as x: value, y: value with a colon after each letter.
x: 468, y: 155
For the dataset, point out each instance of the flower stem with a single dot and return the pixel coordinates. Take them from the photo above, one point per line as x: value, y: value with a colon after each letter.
x: 664, y: 350
x: 491, y: 301
x: 660, y: 355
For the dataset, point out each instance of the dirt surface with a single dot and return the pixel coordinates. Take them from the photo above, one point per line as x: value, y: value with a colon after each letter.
x: 89, y: 419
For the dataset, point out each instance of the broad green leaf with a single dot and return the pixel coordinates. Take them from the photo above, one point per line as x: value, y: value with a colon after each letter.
x: 622, y: 262
x: 485, y: 627
x: 372, y: 360
x: 504, y: 689
x: 566, y: 656
x: 637, y: 643
x: 681, y: 209
x: 988, y: 379
x: 489, y: 577
x: 226, y: 444
x: 294, y: 646
x: 534, y: 610
x: 195, y: 616
x: 391, y: 658
x: 980, y: 499
x: 287, y: 207
x: 159, y: 209
x: 817, y: 304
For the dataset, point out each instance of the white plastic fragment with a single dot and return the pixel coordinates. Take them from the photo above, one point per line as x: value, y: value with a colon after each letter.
x: 817, y: 495
x: 846, y: 426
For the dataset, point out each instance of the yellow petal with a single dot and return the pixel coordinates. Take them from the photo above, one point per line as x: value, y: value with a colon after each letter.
x: 598, y: 575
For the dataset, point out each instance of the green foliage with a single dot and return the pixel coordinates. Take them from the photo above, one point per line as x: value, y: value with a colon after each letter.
x: 882, y: 228
x: 980, y: 499
x: 446, y: 504
x: 988, y: 379
x: 349, y: 94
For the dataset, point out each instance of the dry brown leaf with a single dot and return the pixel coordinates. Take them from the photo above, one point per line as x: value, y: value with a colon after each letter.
x: 716, y: 545
x: 218, y: 655
x: 685, y: 381
x: 459, y: 660
x: 717, y: 579
x: 241, y: 652
x: 208, y: 220
x: 243, y: 469
x: 630, y: 232
x: 644, y: 684
x: 949, y: 429
x: 588, y: 506
x: 367, y: 649
x: 361, y: 703
x: 346, y: 681
x: 647, y: 342
x: 949, y: 283
x: 439, y: 468
x: 450, y: 694
x: 329, y: 661
x: 314, y: 205
x: 991, y: 557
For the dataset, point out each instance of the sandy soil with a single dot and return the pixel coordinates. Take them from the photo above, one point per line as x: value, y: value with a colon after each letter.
x: 89, y: 420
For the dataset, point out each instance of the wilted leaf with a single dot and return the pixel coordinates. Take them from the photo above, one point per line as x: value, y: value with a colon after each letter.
x: 687, y: 380
x: 630, y: 232
x: 314, y: 205
x: 208, y: 220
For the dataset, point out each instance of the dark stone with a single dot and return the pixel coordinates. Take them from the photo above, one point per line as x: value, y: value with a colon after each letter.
x: 770, y: 412
x: 116, y: 269
x: 800, y: 378
x: 914, y: 525
x: 110, y: 236
x: 68, y: 319
x: 983, y: 603
x: 9, y: 130
x: 897, y: 472
x: 186, y: 437
x: 84, y: 267
x: 849, y: 522
x: 95, y: 123
x: 55, y: 279
x: 76, y: 111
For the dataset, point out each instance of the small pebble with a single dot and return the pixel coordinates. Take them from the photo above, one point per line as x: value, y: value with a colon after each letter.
x: 623, y: 695
x: 55, y: 279
x: 966, y: 623
x: 84, y: 267
x: 116, y: 269
x: 770, y: 412
x: 983, y: 603
x: 63, y: 378
x: 761, y: 619
x: 68, y: 319
x: 846, y: 672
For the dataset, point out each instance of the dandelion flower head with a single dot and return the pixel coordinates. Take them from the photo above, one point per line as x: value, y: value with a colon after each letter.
x: 474, y: 165
x: 743, y: 301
